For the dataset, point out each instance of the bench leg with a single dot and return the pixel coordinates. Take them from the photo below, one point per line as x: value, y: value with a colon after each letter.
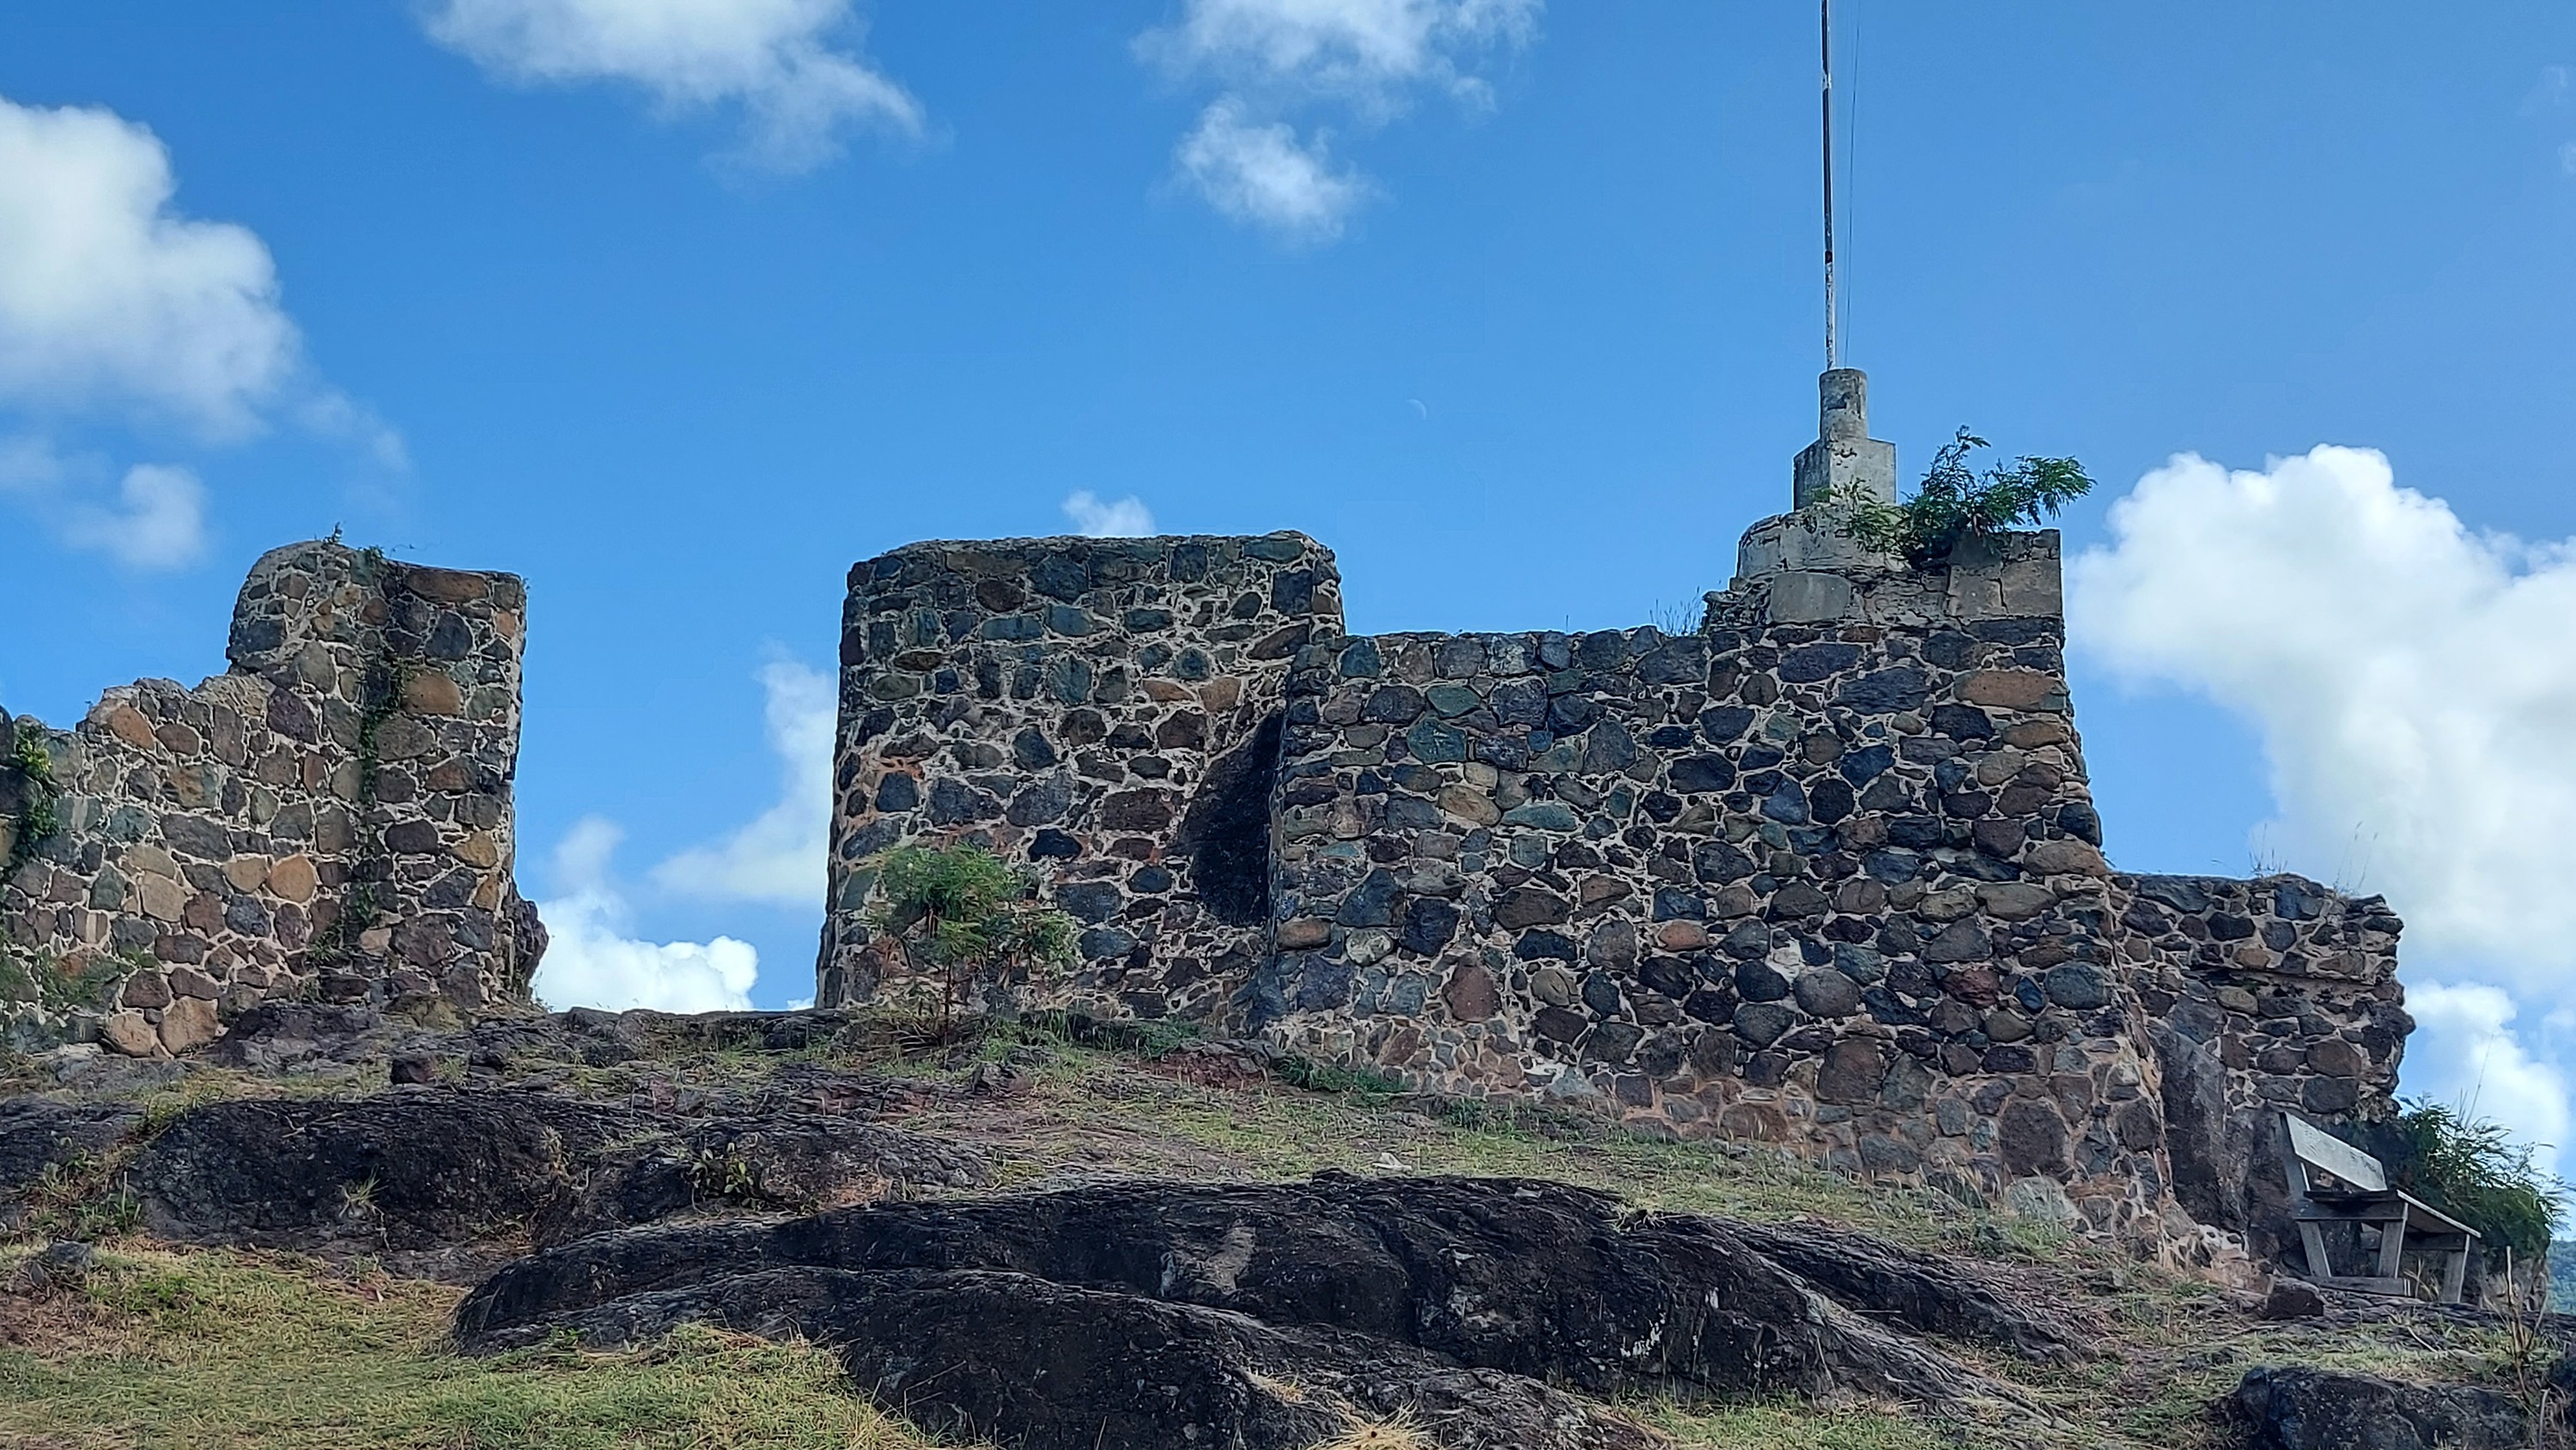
x: 2314, y: 1241
x: 2455, y: 1273
x: 2392, y: 1243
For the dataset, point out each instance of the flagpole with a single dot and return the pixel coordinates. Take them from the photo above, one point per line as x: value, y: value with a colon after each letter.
x: 1832, y: 353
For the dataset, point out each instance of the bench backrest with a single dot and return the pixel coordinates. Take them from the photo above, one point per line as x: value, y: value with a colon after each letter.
x: 2319, y: 1149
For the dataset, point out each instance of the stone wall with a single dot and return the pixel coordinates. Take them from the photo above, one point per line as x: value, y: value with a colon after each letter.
x: 2262, y: 995
x: 330, y: 817
x: 1830, y: 886
x: 1105, y: 708
x: 1824, y: 873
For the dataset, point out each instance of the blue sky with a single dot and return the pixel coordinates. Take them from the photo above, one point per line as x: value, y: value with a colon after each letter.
x: 678, y: 307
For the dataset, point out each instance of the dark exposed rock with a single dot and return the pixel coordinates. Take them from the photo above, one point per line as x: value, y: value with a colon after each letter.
x: 37, y: 1133
x: 56, y: 1266
x: 1923, y: 1292
x: 2291, y: 1299
x: 2297, y: 1408
x: 428, y: 1169
x: 1021, y: 1316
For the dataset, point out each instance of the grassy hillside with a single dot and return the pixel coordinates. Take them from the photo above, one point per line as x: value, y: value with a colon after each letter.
x: 229, y: 1350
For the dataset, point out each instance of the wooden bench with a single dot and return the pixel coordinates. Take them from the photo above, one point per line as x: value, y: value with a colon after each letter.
x: 2333, y: 1182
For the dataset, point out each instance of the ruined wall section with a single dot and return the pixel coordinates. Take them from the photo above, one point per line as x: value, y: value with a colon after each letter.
x: 1106, y: 710
x: 2263, y: 995
x: 331, y: 817
x: 1830, y: 886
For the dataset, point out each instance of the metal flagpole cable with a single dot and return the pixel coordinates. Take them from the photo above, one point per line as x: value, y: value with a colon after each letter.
x: 1832, y: 354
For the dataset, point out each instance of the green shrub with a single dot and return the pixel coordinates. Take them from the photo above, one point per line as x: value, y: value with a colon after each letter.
x: 39, y: 818
x: 1954, y: 503
x: 2471, y: 1169
x: 961, y: 912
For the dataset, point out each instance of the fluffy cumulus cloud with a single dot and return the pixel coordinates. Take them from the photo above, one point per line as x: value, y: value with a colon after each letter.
x: 157, y: 522
x: 2464, y: 1041
x: 114, y: 305
x: 776, y: 858
x: 2414, y: 682
x: 1126, y: 518
x: 594, y: 960
x: 110, y: 298
x: 1275, y: 60
x: 1261, y: 173
x: 792, y: 66
x: 153, y: 518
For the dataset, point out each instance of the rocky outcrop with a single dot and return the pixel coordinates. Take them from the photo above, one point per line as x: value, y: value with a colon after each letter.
x: 2297, y: 1408
x: 1033, y: 1317
x: 37, y: 1134
x: 432, y: 1169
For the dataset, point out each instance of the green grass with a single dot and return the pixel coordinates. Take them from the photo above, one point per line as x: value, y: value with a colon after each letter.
x: 1139, y: 1119
x: 222, y: 1351
x: 231, y: 1351
x: 1793, y: 1426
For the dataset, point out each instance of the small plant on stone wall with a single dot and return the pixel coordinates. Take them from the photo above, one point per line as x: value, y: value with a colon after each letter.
x: 1954, y: 503
x: 961, y: 913
x: 39, y: 814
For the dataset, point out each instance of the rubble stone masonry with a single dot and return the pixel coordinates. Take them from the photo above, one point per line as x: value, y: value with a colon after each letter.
x: 1824, y: 873
x: 331, y: 817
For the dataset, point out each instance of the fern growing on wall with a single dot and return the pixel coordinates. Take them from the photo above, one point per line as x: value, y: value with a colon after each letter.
x: 1954, y: 503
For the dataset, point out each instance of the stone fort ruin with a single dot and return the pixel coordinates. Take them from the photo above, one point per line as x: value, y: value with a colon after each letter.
x: 1824, y: 874
x: 330, y: 818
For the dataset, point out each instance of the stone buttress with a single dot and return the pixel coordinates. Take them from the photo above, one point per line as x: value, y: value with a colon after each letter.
x: 329, y: 818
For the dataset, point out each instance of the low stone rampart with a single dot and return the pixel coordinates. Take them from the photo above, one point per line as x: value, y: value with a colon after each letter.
x: 330, y: 817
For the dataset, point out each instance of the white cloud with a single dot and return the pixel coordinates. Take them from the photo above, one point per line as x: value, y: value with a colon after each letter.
x: 1263, y: 175
x: 591, y: 961
x: 774, y: 58
x: 156, y: 519
x: 779, y: 856
x: 2556, y: 82
x: 1367, y: 51
x: 2465, y: 1053
x: 1128, y: 518
x: 160, y: 522
x: 333, y: 414
x: 108, y: 298
x: 1274, y: 57
x: 28, y: 464
x: 2414, y: 682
